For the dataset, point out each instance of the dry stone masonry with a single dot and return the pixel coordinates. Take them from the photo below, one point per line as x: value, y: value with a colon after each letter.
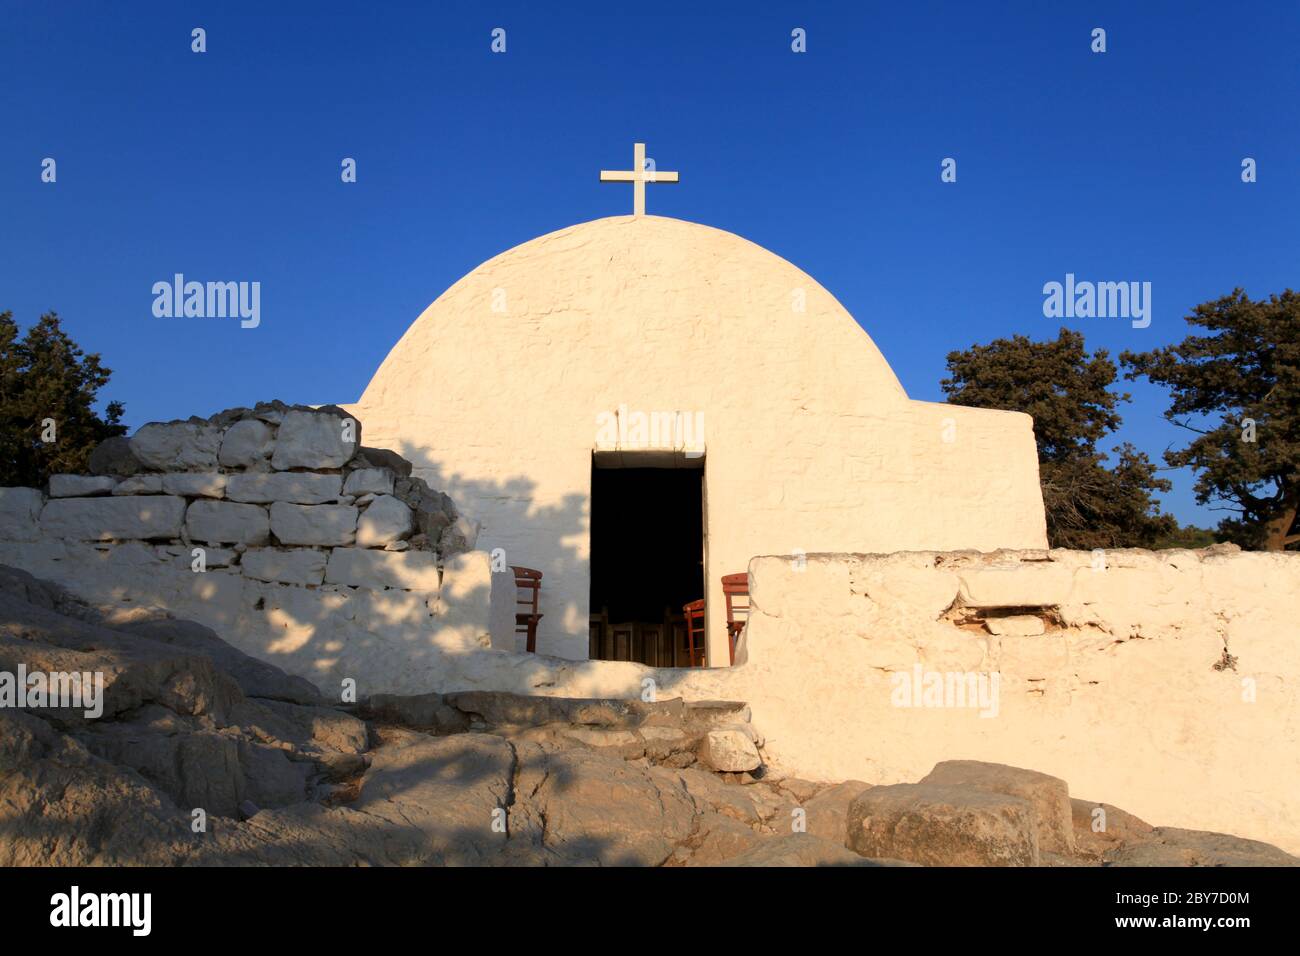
x: 255, y: 506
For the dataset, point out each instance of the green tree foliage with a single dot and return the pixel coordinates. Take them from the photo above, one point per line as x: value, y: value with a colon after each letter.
x: 48, y: 387
x: 1238, y: 389
x: 1067, y: 391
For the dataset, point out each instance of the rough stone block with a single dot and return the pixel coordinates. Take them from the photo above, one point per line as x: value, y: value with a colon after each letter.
x: 195, y: 484
x: 385, y: 520
x: 458, y: 537
x: 105, y: 519
x: 20, y: 511
x: 113, y: 456
x: 729, y: 751
x: 139, y: 485
x: 943, y: 826
x: 300, y: 488
x: 314, y: 439
x: 293, y: 566
x: 387, y: 458
x: 225, y: 522
x: 80, y: 486
x: 246, y: 443
x: 1049, y: 796
x: 177, y: 446
x: 369, y: 481
x: 362, y: 568
x: 328, y: 525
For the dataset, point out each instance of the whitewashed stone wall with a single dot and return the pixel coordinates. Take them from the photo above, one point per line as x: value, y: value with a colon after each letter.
x: 275, y: 527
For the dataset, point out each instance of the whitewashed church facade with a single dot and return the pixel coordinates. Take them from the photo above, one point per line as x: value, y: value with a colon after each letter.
x: 646, y: 343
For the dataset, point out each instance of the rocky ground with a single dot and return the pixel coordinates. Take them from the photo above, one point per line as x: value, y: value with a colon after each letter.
x: 205, y: 756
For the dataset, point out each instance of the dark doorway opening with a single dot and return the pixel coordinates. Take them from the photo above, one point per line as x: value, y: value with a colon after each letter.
x: 647, y: 560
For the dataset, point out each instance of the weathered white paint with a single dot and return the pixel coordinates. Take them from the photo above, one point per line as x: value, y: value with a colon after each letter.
x: 812, y: 444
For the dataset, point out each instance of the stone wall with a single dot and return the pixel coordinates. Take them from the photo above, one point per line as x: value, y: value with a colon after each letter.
x: 1165, y: 682
x: 274, y: 526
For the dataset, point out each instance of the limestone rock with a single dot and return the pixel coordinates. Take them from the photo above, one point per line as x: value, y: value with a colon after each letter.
x: 301, y: 488
x: 113, y: 456
x: 459, y: 536
x: 293, y: 566
x: 102, y: 519
x: 1049, y: 796
x: 419, y: 711
x: 943, y: 826
x: 730, y: 751
x: 386, y: 458
x: 80, y: 486
x: 226, y: 522
x: 1100, y: 827
x: 254, y: 677
x: 827, y: 813
x: 1170, y: 846
x: 177, y: 446
x: 586, y: 807
x: 376, y: 481
x: 20, y: 511
x: 385, y: 520
x: 313, y: 524
x: 363, y: 568
x: 804, y: 849
x: 139, y: 485
x: 441, y: 796
x: 246, y: 444
x: 315, y: 439
x: 195, y: 485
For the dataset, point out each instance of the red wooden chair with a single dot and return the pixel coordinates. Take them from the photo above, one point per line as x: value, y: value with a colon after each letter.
x: 735, y: 587
x: 695, y: 630
x: 528, y: 583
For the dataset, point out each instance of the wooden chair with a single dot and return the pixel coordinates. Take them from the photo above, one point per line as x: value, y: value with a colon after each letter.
x: 695, y: 631
x: 735, y: 587
x: 528, y: 583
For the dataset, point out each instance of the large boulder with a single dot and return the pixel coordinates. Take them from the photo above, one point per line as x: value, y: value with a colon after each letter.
x: 1170, y: 846
x: 1049, y: 796
x: 943, y: 826
x: 827, y: 813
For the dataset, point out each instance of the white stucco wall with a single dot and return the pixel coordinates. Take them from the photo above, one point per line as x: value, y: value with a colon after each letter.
x: 811, y: 442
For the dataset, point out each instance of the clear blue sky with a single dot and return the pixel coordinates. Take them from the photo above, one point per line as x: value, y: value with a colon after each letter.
x: 225, y: 166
